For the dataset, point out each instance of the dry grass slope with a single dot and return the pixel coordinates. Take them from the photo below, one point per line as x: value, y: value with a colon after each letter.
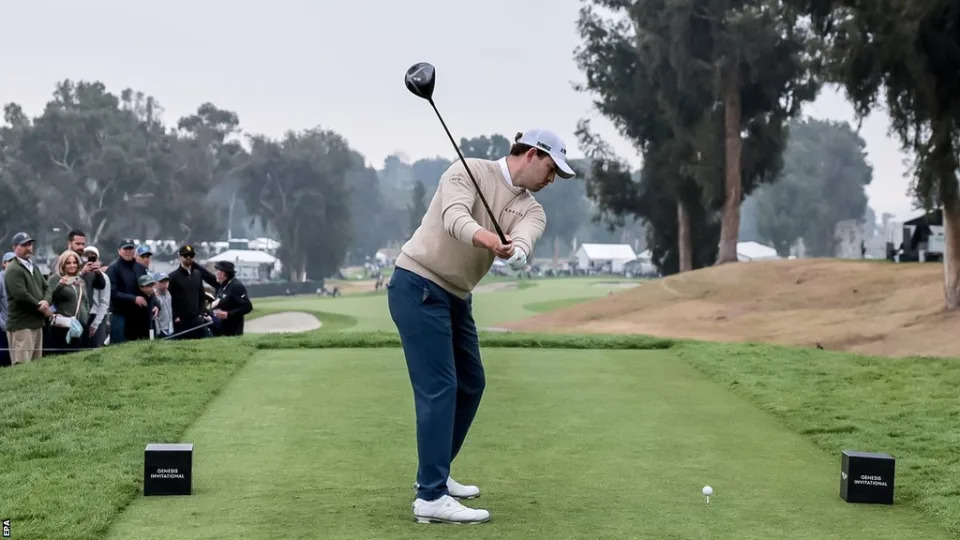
x: 867, y: 307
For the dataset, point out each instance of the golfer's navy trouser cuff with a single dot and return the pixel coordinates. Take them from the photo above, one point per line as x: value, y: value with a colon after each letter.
x: 442, y: 352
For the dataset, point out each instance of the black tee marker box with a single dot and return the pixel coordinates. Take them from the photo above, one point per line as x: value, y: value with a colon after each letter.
x: 866, y: 477
x: 168, y: 469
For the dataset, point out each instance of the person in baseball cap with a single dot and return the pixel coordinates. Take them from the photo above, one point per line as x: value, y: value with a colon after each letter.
x: 552, y: 144
x: 452, y: 249
x: 143, y: 256
x: 22, y: 239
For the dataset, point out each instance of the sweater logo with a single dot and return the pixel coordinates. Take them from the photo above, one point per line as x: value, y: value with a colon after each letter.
x: 514, y: 212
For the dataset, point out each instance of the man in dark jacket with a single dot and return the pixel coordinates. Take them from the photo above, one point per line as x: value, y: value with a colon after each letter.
x: 231, y: 302
x: 27, y: 310
x: 187, y: 294
x: 125, y: 298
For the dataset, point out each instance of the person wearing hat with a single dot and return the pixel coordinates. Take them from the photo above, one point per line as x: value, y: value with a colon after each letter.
x: 125, y: 298
x: 4, y: 345
x: 231, y: 302
x: 143, y: 255
x: 141, y: 321
x: 164, y: 322
x: 99, y: 299
x: 187, y: 294
x: 27, y: 310
x: 430, y: 301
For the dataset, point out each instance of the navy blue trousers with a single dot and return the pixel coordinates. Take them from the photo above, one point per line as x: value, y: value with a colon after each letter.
x: 442, y: 352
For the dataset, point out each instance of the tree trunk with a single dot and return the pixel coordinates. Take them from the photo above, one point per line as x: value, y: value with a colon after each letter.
x: 684, y: 243
x: 730, y: 226
x: 951, y: 255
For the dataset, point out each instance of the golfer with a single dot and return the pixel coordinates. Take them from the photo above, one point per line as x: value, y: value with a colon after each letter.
x: 430, y: 301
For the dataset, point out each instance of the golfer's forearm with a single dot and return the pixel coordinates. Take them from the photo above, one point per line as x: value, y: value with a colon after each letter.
x: 526, y: 233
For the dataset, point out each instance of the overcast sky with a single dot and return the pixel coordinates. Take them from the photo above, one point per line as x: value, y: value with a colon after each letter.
x: 340, y: 65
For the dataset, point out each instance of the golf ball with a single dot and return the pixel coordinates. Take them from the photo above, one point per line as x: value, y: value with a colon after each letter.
x: 707, y: 490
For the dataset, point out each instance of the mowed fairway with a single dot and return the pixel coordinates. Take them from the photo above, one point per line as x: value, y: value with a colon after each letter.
x: 568, y: 444
x: 495, y: 302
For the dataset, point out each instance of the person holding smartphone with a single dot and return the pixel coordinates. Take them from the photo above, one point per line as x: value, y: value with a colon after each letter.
x: 99, y: 299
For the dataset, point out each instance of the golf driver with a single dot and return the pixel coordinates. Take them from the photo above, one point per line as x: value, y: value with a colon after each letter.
x: 420, y: 80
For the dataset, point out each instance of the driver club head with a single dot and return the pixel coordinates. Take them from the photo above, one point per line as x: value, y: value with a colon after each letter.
x: 420, y: 79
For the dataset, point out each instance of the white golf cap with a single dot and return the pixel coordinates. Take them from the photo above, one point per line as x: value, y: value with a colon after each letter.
x: 549, y: 142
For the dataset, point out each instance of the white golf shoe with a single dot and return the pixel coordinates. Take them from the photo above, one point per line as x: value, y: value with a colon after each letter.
x: 446, y: 509
x: 457, y: 490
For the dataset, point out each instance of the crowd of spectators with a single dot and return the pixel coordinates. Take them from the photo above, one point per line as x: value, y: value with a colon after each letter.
x: 84, y: 304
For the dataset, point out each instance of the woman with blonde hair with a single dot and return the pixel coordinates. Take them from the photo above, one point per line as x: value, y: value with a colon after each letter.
x: 67, y: 297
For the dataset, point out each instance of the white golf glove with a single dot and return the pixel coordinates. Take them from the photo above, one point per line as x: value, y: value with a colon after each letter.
x: 518, y: 260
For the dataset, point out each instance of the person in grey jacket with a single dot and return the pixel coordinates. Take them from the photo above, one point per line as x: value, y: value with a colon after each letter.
x: 4, y: 345
x: 99, y: 300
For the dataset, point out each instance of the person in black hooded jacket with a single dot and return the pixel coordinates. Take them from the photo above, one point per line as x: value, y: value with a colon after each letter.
x: 125, y: 297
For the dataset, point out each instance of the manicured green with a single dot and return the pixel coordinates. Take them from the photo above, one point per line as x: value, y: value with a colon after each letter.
x: 519, y: 299
x: 73, y: 428
x: 627, y: 410
x: 908, y: 407
x: 568, y: 444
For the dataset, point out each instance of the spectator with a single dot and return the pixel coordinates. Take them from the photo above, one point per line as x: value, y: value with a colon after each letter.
x: 125, y: 299
x: 165, y: 315
x: 99, y: 303
x: 92, y: 276
x: 231, y: 302
x: 143, y: 256
x: 27, y: 309
x: 66, y: 294
x: 4, y: 344
x: 187, y: 295
x: 140, y: 321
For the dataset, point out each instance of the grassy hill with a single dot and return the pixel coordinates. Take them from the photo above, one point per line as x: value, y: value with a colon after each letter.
x: 868, y: 307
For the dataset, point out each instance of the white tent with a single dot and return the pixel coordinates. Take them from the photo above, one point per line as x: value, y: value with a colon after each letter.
x: 755, y: 251
x: 600, y: 255
x: 251, y: 265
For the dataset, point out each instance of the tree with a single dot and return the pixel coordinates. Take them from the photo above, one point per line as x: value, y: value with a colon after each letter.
x: 95, y: 160
x: 823, y: 183
x: 202, y: 196
x: 418, y: 205
x: 370, y: 215
x: 299, y: 186
x: 707, y: 85
x: 907, y: 54
x: 19, y: 185
x: 659, y: 109
x: 493, y: 147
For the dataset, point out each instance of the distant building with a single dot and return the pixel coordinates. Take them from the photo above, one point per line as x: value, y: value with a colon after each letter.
x: 252, y: 266
x: 755, y: 251
x: 604, y: 257
x: 387, y: 256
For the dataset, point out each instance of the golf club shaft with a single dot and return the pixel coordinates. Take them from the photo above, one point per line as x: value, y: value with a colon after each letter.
x: 496, y: 225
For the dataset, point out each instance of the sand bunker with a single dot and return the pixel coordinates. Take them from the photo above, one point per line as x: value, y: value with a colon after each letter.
x: 291, y: 321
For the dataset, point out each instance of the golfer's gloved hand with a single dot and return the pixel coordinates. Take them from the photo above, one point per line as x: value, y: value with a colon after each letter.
x: 518, y: 260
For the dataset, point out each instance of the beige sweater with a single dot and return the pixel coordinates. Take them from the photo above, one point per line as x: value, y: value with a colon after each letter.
x: 442, y: 250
